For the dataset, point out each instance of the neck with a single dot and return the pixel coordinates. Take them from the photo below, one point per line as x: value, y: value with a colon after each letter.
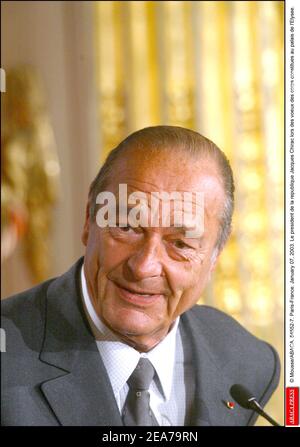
x: 143, y: 343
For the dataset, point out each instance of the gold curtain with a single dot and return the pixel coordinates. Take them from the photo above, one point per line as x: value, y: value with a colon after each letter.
x: 29, y: 170
x: 218, y: 68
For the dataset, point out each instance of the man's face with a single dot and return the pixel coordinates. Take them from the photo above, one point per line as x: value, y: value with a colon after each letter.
x: 141, y: 279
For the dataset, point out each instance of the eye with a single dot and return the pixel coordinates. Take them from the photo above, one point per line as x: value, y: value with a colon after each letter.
x: 180, y: 244
x: 129, y: 229
x: 125, y: 229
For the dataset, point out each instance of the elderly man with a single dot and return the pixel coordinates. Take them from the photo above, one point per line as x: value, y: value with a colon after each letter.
x: 119, y: 339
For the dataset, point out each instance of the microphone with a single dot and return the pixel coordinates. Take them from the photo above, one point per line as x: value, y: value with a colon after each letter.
x: 245, y: 399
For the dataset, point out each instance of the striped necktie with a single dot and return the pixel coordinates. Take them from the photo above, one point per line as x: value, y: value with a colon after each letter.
x: 136, y: 410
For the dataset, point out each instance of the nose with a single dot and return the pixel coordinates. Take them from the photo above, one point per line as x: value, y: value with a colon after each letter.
x: 146, y: 262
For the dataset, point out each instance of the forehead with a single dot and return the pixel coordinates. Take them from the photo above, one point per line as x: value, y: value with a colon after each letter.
x: 167, y: 171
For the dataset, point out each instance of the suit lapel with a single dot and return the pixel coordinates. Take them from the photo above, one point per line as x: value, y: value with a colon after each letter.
x: 80, y: 392
x: 78, y: 389
x: 83, y: 398
x: 212, y: 383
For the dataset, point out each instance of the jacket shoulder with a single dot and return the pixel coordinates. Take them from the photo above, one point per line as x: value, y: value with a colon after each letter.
x: 27, y: 297
x: 224, y: 332
x: 242, y: 356
x: 22, y: 317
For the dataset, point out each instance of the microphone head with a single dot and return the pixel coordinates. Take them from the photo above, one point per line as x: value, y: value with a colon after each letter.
x: 242, y: 395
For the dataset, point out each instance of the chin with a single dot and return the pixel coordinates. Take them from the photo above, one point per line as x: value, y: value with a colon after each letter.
x: 134, y: 327
x: 133, y: 323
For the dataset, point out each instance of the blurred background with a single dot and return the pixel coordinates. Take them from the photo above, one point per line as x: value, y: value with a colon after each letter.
x: 80, y: 76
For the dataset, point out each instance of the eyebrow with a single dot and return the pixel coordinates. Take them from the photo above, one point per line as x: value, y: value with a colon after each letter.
x: 183, y: 229
x: 180, y: 229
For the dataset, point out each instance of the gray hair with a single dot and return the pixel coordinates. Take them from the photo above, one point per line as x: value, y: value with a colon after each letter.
x: 156, y: 139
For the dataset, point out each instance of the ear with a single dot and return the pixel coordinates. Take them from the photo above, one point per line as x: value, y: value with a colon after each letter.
x: 214, y: 259
x: 213, y: 262
x: 86, y: 227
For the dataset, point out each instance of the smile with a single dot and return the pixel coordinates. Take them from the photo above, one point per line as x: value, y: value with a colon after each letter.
x: 138, y: 298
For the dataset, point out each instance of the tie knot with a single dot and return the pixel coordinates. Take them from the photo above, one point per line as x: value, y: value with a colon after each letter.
x: 142, y: 376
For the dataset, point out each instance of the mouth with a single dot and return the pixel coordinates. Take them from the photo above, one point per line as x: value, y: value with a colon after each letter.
x: 139, y: 298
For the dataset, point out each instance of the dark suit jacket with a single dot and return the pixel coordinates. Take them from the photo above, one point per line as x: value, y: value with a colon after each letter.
x: 52, y: 372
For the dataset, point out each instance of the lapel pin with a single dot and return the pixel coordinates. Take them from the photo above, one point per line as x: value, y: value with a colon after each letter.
x: 230, y: 405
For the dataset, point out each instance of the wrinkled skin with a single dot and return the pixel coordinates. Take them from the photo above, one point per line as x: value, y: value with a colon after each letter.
x: 158, y: 261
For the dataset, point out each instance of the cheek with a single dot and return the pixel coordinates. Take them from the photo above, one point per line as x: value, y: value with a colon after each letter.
x: 189, y: 285
x: 111, y: 253
x: 186, y: 275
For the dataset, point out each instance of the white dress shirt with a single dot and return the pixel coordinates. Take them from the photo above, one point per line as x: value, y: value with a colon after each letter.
x: 170, y: 398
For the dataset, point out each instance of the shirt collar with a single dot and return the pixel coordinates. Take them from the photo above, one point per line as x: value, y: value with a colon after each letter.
x: 115, y: 352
